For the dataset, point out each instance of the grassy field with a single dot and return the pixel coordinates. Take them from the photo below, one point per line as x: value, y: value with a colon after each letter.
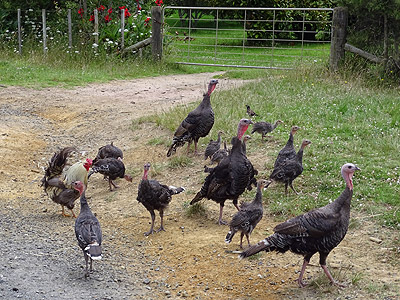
x: 346, y: 122
x: 228, y: 42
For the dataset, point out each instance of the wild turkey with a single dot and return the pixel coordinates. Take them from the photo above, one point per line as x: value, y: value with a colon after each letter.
x: 264, y: 127
x: 287, y: 152
x: 108, y: 151
x: 213, y: 146
x: 290, y: 169
x: 197, y: 124
x: 247, y: 218
x: 88, y: 234
x: 231, y: 176
x: 250, y: 112
x: 155, y: 196
x: 112, y: 168
x: 220, y: 155
x: 64, y: 185
x: 319, y: 230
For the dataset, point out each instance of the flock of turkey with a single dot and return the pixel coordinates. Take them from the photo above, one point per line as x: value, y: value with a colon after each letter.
x: 317, y: 231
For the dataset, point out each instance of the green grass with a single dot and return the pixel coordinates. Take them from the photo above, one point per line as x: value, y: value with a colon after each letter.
x: 346, y: 122
x: 206, y: 45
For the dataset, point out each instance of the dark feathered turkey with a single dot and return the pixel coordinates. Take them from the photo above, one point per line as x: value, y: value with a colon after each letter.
x: 287, y: 152
x: 213, y: 146
x: 108, y: 151
x: 112, y: 168
x: 155, y: 196
x: 247, y: 218
x: 319, y: 230
x: 88, y: 234
x: 59, y: 188
x: 264, y: 127
x: 197, y: 124
x: 290, y: 169
x: 250, y: 112
x: 231, y: 177
x: 219, y: 155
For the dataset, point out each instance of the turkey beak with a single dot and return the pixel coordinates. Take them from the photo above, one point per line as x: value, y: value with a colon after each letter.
x: 358, y: 169
x: 267, y: 184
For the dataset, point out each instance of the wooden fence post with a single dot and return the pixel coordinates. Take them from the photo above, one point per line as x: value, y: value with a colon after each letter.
x: 96, y: 28
x: 19, y: 31
x: 69, y: 29
x: 122, y: 29
x: 44, y: 31
x: 157, y: 18
x: 339, y: 32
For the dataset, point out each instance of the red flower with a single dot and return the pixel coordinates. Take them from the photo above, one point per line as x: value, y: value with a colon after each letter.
x: 80, y: 11
x: 146, y: 22
x: 138, y: 7
x: 127, y: 13
x: 159, y: 2
x: 122, y: 7
x: 101, y: 7
x: 107, y: 18
x: 91, y: 19
x: 109, y: 11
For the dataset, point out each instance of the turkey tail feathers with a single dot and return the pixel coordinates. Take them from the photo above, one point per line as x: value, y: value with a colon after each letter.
x: 229, y: 236
x: 263, y: 245
x: 176, y: 190
x: 93, y: 251
x: 197, y: 198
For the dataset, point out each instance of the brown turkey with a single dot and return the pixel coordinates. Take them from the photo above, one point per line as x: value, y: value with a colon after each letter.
x: 264, y: 127
x: 287, y: 152
x: 197, y: 124
x: 213, y: 146
x: 290, y: 169
x: 108, y: 151
x: 230, y: 178
x: 219, y: 155
x: 319, y: 230
x: 65, y: 184
x: 112, y: 168
x: 249, y: 215
x: 155, y: 196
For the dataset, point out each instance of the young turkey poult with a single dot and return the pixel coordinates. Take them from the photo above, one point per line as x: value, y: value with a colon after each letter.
x: 197, y: 124
x: 213, y: 146
x: 88, y: 234
x: 112, y: 168
x: 155, y: 196
x: 319, y: 230
x: 264, y: 127
x: 290, y: 169
x: 230, y: 178
x: 287, y: 152
x: 249, y: 215
x: 108, y: 151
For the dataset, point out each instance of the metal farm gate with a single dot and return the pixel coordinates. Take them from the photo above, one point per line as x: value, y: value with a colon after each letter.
x: 267, y: 38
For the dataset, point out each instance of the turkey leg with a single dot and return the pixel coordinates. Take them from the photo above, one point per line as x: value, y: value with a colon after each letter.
x: 63, y: 212
x: 86, y: 260
x: 220, y: 221
x: 328, y: 274
x: 162, y: 221
x: 241, y: 240
x: 111, y: 183
x: 291, y: 185
x: 153, y: 217
x: 303, y: 268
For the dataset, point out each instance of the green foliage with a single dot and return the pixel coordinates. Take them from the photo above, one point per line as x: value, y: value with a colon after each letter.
x: 195, y: 210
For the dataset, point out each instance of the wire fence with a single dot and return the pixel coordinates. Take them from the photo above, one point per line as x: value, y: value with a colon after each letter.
x: 278, y: 38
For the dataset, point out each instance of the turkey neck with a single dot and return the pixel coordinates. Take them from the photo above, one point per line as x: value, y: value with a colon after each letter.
x: 258, y: 198
x: 206, y: 101
x: 84, y: 204
x: 274, y: 126
x: 145, y: 175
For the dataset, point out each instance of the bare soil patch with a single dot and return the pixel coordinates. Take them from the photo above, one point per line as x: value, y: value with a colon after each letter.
x: 40, y: 256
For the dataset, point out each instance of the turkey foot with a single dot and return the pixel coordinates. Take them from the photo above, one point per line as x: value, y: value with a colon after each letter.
x: 151, y: 231
x: 160, y: 229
